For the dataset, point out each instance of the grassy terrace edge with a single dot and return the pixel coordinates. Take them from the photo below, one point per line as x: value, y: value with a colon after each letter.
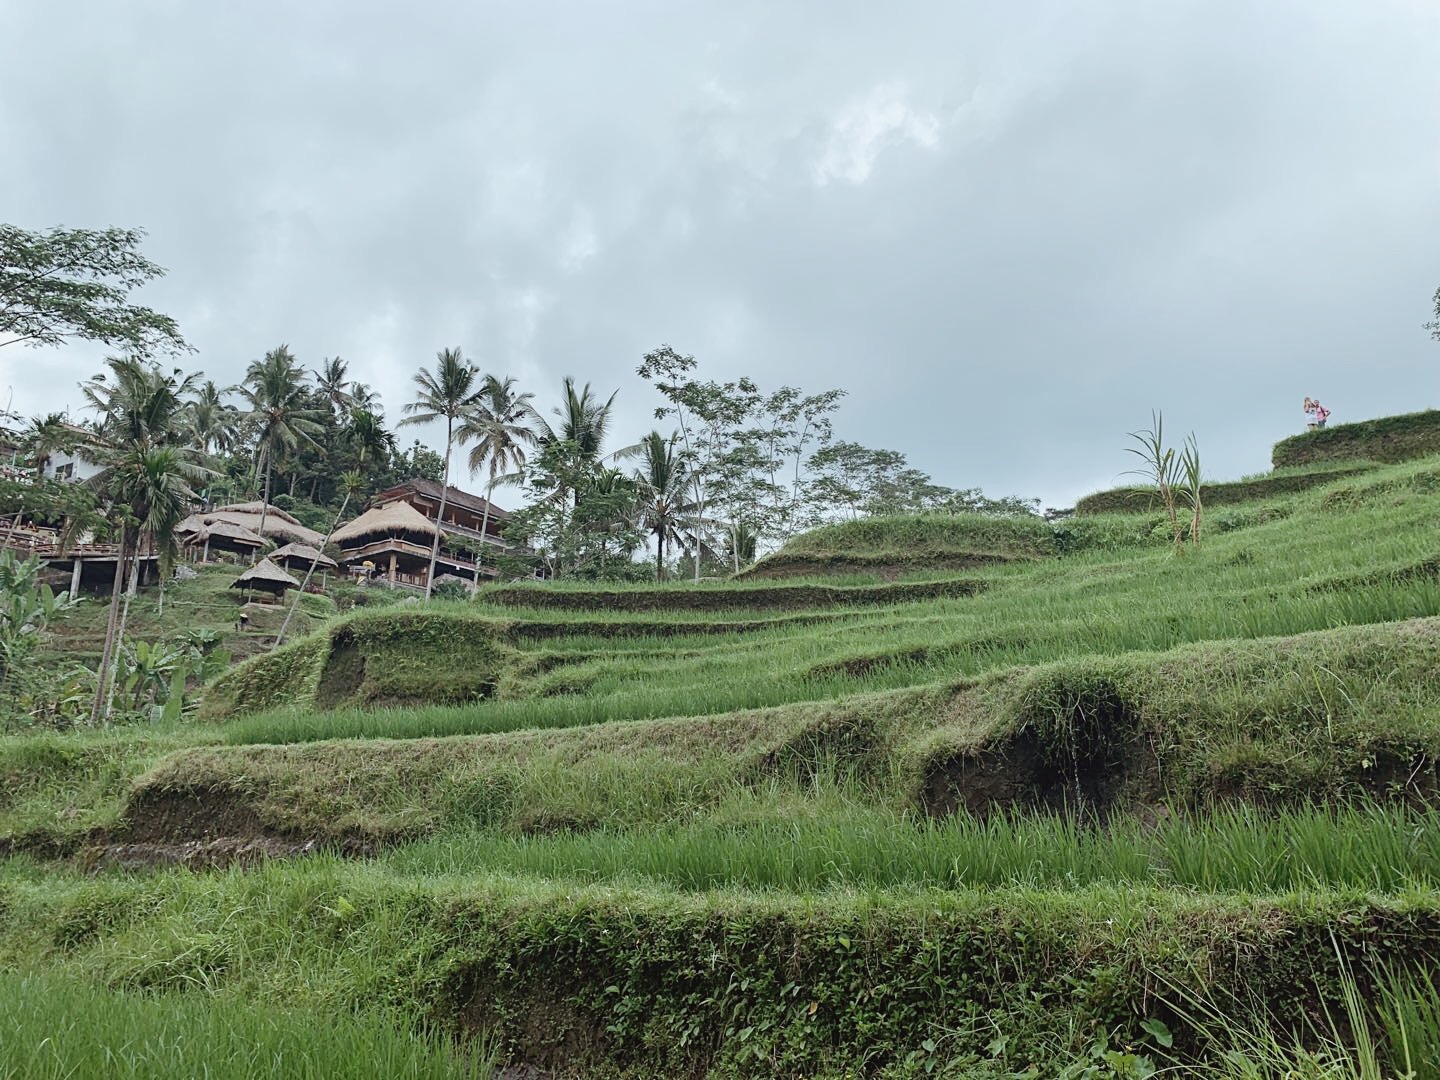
x: 1139, y: 497
x: 1324, y: 715
x: 790, y: 597
x: 626, y: 981
x: 1387, y: 439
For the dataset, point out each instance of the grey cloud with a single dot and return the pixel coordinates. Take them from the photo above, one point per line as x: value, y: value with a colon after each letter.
x: 1009, y: 233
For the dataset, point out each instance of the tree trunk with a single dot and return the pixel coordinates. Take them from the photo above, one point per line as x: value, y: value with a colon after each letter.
x: 280, y: 637
x: 102, y: 673
x: 120, y: 634
x: 484, y: 527
x: 659, y: 555
x: 440, y: 514
x: 264, y: 506
x: 699, y: 522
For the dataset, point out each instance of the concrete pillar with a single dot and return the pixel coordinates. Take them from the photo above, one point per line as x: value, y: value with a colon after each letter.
x: 75, y: 578
x: 394, y: 562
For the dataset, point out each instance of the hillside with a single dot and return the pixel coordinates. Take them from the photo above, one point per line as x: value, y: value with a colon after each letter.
x: 956, y: 797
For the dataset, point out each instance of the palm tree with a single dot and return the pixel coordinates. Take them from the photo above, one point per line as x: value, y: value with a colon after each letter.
x: 275, y: 389
x: 144, y: 475
x: 662, y: 477
x: 499, y: 425
x: 367, y: 435
x: 333, y: 382
x: 46, y: 436
x: 447, y: 392
x: 213, y: 423
x: 584, y: 421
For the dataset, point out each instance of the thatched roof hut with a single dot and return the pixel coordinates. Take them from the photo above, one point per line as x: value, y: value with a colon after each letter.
x: 267, y: 577
x: 300, y: 557
x: 217, y: 535
x: 392, y: 519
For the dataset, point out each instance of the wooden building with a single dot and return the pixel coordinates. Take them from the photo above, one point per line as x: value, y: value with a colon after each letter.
x: 392, y: 540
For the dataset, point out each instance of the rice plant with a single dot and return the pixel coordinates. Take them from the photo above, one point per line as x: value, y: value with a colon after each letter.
x: 56, y: 1028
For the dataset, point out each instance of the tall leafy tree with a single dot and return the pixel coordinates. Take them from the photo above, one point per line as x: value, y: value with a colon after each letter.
x: 367, y: 437
x: 662, y: 477
x: 74, y: 284
x: 500, y: 426
x: 145, y: 474
x: 711, y: 416
x: 445, y: 394
x: 274, y: 387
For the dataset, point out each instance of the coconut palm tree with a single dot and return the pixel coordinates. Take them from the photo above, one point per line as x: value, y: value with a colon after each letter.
x: 145, y: 475
x: 275, y: 390
x: 499, y: 424
x: 213, y: 423
x: 45, y: 437
x: 661, y: 478
x: 333, y: 382
x: 584, y: 421
x: 446, y: 393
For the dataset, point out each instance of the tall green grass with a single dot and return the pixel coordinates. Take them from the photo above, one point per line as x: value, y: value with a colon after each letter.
x: 53, y: 1028
x: 1374, y: 849
x: 1390, y: 1031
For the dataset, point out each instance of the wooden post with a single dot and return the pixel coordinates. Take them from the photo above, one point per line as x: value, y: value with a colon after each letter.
x: 393, y: 564
x: 75, y: 578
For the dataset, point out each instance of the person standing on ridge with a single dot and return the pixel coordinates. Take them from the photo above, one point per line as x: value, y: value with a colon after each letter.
x: 1315, y: 413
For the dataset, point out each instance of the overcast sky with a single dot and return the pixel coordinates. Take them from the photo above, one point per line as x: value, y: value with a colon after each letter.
x: 1008, y: 230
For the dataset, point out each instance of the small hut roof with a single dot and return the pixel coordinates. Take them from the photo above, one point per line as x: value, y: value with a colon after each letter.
x: 395, y: 517
x: 302, y: 553
x: 265, y: 573
x: 257, y: 508
x: 193, y: 523
x: 228, y: 530
x: 275, y: 527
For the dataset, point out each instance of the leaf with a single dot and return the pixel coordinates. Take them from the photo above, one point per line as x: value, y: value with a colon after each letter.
x: 1157, y: 1030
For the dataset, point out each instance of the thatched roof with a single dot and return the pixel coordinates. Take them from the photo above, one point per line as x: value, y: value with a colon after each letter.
x: 265, y: 575
x: 276, y: 527
x: 302, y: 553
x: 212, y: 530
x: 193, y: 523
x: 388, y: 520
x: 256, y: 508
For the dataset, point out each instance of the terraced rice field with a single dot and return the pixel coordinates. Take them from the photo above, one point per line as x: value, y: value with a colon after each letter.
x: 993, y: 799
